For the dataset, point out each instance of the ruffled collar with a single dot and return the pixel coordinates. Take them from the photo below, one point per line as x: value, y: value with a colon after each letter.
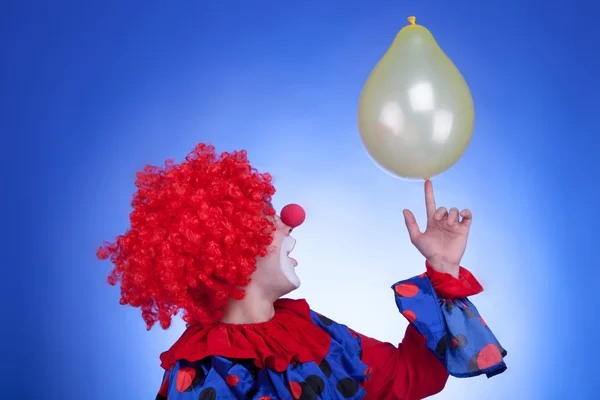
x: 290, y: 336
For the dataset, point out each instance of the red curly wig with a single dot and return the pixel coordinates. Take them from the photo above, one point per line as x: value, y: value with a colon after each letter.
x: 197, y: 229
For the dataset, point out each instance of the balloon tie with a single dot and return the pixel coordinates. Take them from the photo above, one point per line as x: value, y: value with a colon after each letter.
x: 412, y: 20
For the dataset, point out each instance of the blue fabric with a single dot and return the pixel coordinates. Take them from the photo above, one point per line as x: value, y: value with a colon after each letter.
x: 339, y: 375
x: 453, y: 329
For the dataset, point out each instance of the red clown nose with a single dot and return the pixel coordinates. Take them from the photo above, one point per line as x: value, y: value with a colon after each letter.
x: 293, y: 215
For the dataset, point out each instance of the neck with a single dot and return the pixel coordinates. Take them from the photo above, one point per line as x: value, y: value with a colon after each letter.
x: 254, y: 308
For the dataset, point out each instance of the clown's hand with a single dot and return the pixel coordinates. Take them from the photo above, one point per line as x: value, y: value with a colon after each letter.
x: 444, y: 241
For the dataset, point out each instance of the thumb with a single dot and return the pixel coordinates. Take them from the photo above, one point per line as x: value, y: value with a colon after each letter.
x: 411, y: 224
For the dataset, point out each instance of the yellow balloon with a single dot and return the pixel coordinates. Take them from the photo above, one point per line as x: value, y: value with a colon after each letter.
x: 415, y: 113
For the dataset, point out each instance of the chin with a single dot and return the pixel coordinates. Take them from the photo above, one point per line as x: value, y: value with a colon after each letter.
x: 289, y: 288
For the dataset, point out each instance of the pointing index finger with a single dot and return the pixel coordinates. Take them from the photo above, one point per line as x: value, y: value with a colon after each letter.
x: 429, y: 198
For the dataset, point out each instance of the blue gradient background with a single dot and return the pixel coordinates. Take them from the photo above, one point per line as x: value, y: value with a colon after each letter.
x: 93, y: 90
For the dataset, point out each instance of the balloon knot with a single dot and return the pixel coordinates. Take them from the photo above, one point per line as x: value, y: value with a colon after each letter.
x: 412, y: 20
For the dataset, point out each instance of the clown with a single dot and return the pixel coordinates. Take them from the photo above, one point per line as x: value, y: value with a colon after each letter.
x: 205, y: 240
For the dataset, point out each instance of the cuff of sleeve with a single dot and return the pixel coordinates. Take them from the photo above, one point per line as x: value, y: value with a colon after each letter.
x: 448, y: 287
x: 453, y: 329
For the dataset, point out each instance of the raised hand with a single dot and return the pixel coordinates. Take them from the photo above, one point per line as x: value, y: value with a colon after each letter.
x: 444, y: 241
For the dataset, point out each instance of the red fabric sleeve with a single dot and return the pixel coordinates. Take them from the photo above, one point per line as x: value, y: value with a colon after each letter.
x: 448, y: 287
x: 407, y: 372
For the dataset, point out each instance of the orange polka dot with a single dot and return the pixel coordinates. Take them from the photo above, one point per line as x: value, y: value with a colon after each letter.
x: 482, y: 321
x: 423, y: 275
x: 185, y: 377
x: 296, y: 389
x: 488, y: 356
x: 265, y: 398
x: 232, y: 380
x: 407, y: 289
x: 454, y: 343
x: 409, y: 315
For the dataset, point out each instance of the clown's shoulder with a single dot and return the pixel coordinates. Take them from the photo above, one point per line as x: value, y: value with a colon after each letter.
x: 297, y: 354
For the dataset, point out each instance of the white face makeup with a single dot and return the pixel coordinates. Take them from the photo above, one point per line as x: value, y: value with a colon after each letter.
x: 286, y: 263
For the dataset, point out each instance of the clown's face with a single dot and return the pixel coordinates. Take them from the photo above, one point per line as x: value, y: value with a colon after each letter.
x: 276, y: 273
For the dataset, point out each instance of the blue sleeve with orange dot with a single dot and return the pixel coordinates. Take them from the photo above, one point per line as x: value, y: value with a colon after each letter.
x: 453, y: 329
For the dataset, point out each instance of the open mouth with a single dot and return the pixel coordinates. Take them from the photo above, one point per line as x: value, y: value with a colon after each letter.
x: 288, y: 254
x: 293, y: 260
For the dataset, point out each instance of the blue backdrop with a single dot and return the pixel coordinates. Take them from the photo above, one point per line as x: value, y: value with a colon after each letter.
x: 93, y: 90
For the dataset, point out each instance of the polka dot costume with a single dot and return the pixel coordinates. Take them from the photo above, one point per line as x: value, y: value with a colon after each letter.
x: 445, y: 336
x: 338, y: 376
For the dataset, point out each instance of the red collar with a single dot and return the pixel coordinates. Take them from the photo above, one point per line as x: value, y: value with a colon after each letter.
x: 289, y: 336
